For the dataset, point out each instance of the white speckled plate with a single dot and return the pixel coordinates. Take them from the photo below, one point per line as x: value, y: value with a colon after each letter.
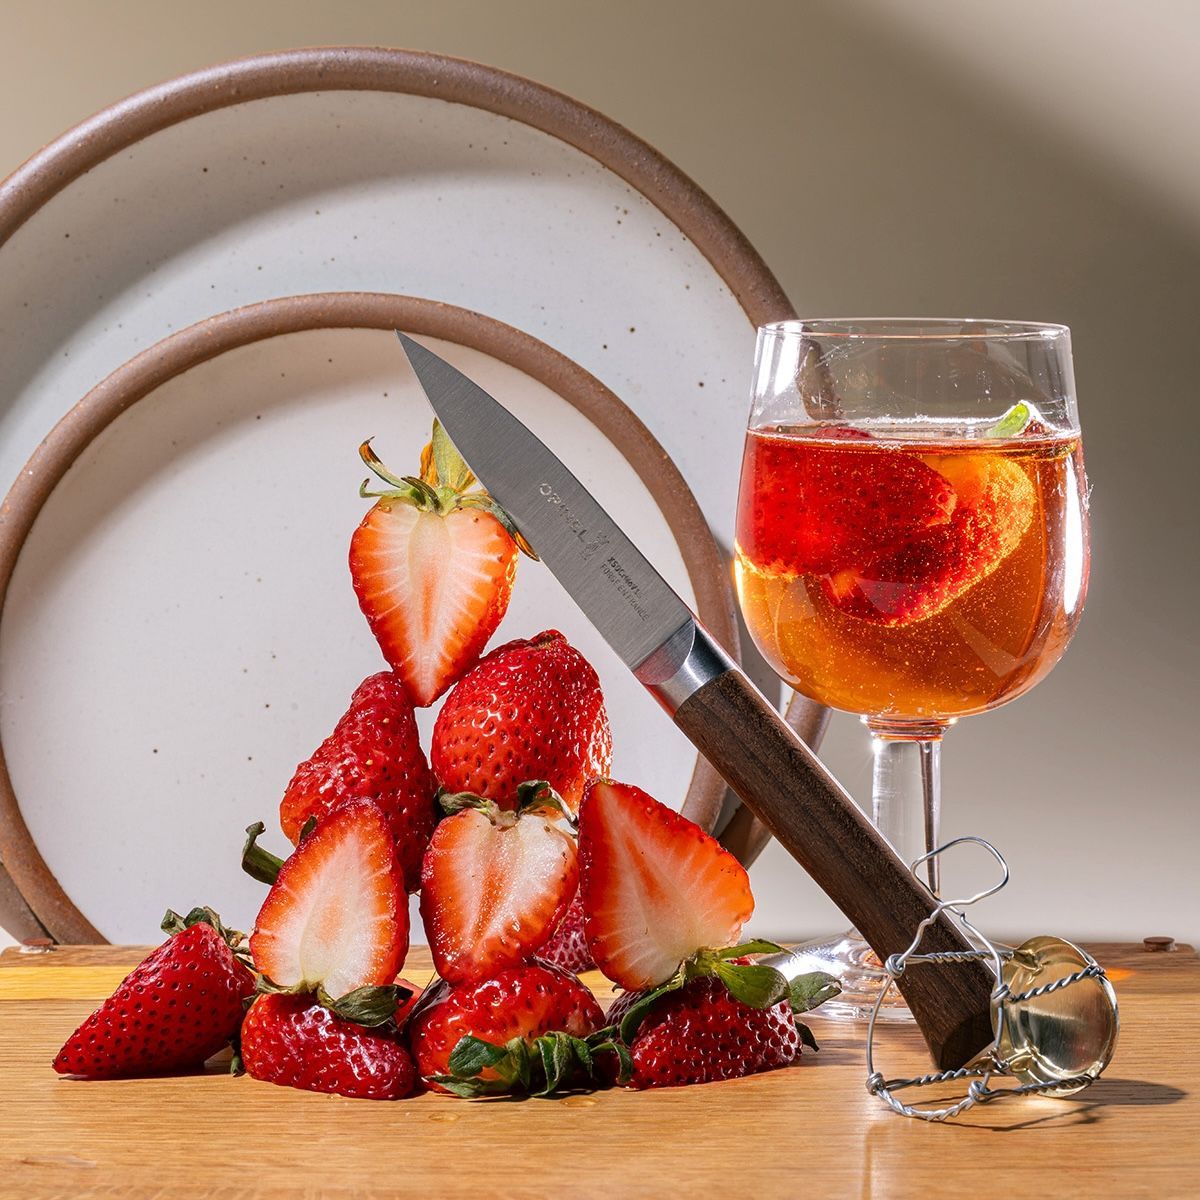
x: 385, y: 171
x: 180, y: 627
x: 368, y: 170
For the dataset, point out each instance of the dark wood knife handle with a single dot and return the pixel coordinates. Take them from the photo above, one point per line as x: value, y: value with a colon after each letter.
x: 782, y: 782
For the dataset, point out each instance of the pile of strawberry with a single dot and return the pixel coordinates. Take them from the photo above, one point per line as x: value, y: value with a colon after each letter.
x: 530, y: 863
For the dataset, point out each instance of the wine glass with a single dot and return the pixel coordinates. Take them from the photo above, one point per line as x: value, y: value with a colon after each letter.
x: 911, y: 544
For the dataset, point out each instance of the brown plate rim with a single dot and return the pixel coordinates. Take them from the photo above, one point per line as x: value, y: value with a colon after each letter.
x: 45, y: 908
x: 413, y: 72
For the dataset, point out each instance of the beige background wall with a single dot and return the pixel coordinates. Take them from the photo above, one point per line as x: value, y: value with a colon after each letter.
x: 1037, y: 159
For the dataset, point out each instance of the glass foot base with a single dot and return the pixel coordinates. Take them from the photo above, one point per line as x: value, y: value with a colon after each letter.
x: 855, y: 965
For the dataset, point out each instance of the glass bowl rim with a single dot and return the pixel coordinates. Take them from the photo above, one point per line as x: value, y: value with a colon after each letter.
x: 930, y: 329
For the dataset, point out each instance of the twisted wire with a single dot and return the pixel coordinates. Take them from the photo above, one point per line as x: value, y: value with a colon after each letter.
x: 1091, y: 971
x: 979, y: 1091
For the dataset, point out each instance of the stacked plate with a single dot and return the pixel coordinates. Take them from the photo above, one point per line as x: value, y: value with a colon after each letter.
x: 196, y: 293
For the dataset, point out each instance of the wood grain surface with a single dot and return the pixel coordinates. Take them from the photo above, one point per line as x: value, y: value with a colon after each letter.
x: 810, y: 1130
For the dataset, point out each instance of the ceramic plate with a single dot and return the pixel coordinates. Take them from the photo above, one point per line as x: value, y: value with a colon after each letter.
x: 180, y: 628
x: 379, y: 170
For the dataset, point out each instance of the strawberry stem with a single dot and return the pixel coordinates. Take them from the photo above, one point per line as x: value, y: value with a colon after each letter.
x: 258, y: 863
x: 453, y: 802
x: 536, y: 795
x: 444, y: 484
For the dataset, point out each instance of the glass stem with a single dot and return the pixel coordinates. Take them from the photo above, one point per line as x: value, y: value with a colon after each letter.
x: 906, y: 791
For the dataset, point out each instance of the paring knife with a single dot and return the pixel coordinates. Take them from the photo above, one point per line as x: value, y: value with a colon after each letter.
x: 712, y: 701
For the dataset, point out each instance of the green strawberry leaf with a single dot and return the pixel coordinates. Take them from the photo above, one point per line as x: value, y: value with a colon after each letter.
x: 536, y: 795
x: 472, y: 1055
x: 427, y: 496
x: 583, y: 1052
x: 553, y: 1062
x: 172, y: 923
x: 638, y: 1013
x: 453, y: 802
x: 368, y: 1006
x: 558, y: 1061
x: 268, y: 987
x: 806, y: 1036
x: 599, y: 1043
x: 805, y: 992
x: 759, y: 946
x: 307, y: 828
x: 470, y: 1089
x: 452, y: 470
x: 258, y: 863
x: 376, y: 464
x: 516, y: 1067
x: 1012, y: 423
x: 756, y: 985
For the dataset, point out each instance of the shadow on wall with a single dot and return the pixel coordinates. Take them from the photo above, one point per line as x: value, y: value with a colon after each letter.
x: 890, y: 184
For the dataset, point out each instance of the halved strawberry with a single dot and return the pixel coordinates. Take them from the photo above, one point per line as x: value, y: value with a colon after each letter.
x: 531, y: 709
x: 809, y: 507
x: 336, y: 918
x: 433, y: 565
x: 495, y: 883
x: 995, y: 503
x: 375, y: 753
x: 655, y: 887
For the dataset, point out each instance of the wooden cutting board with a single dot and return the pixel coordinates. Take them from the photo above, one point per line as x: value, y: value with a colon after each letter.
x: 810, y: 1130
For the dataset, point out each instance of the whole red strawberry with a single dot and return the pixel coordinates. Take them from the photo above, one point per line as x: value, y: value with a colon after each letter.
x: 294, y: 1041
x: 529, y: 710
x: 522, y: 1002
x: 568, y: 947
x: 433, y: 564
x: 699, y: 1033
x: 374, y: 752
x: 176, y: 1009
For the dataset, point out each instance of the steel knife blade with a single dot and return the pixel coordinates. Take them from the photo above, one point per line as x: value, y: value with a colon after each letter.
x: 713, y: 702
x: 627, y: 600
